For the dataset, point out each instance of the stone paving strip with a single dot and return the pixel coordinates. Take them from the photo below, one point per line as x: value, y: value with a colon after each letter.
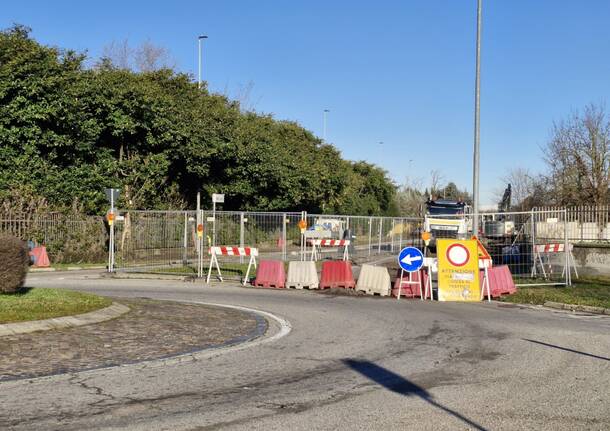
x: 150, y: 330
x: 575, y: 307
x: 97, y: 316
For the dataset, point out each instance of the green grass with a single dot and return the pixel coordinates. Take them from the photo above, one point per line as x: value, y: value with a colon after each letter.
x: 231, y: 268
x: 594, y: 292
x: 39, y: 303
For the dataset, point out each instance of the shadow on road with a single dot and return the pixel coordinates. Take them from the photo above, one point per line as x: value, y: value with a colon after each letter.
x: 402, y: 386
x: 603, y: 358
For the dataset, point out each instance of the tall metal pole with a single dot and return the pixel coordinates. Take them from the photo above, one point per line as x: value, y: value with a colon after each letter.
x: 199, y: 241
x: 111, y: 240
x: 199, y: 40
x: 326, y: 111
x: 214, y: 223
x: 477, y: 126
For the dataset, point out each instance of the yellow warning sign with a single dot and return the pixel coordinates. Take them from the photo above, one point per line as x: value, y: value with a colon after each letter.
x: 458, y: 270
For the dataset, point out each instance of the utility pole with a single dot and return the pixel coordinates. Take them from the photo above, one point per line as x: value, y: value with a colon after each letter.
x: 199, y: 40
x: 326, y: 111
x: 477, y: 127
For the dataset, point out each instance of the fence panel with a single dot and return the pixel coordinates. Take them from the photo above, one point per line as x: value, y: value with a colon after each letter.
x: 585, y: 224
x: 147, y: 239
x: 69, y: 238
x: 513, y: 239
x: 156, y: 240
x: 166, y: 241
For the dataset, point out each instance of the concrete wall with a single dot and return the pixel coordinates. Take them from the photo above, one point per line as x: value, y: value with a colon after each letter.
x: 589, y: 260
x: 592, y: 260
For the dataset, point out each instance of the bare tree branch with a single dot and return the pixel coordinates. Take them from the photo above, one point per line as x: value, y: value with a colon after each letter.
x: 119, y: 53
x: 578, y: 157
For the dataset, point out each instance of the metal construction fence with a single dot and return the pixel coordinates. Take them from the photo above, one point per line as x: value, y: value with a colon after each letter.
x: 584, y: 224
x: 168, y: 240
x: 535, y: 245
x: 69, y: 238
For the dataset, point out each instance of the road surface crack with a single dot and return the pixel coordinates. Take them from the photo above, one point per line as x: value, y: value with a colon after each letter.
x: 93, y: 390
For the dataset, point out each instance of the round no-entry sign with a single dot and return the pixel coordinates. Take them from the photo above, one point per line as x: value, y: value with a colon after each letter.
x: 457, y: 255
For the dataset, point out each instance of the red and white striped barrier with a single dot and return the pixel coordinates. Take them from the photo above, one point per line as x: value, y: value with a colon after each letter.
x: 552, y: 248
x: 231, y: 251
x: 317, y: 244
x: 332, y: 242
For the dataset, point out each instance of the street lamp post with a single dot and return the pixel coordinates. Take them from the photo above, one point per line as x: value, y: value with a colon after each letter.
x: 477, y: 126
x: 199, y: 40
x: 326, y: 111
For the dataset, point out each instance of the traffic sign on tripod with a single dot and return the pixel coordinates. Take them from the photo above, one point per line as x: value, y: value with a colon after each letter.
x: 410, y: 259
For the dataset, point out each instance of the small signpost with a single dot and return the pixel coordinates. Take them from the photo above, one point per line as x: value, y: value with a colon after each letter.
x: 220, y: 199
x: 410, y: 260
x: 112, y: 195
x: 302, y: 224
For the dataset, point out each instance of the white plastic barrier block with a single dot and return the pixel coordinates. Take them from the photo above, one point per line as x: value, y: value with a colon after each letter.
x: 302, y: 275
x: 374, y: 279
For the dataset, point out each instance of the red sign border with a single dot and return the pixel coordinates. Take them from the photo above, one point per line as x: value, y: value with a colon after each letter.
x: 449, y: 259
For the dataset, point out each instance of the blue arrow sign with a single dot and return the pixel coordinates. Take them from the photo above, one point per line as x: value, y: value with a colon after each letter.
x: 410, y: 259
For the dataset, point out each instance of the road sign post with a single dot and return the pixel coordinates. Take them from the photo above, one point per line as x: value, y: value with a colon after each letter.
x: 112, y: 195
x: 216, y: 198
x: 303, y: 226
x: 410, y: 260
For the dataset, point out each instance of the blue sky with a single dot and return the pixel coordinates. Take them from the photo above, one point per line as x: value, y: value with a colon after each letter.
x: 397, y: 72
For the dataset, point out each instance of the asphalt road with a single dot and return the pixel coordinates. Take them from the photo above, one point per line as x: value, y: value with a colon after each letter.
x: 348, y: 363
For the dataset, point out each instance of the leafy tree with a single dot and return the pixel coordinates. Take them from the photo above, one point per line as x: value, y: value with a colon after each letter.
x: 67, y: 132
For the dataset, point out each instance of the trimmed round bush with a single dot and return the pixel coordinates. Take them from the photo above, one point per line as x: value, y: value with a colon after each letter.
x: 14, y: 263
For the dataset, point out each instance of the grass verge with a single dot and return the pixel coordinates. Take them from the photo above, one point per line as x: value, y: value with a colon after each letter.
x: 39, y: 304
x: 233, y: 268
x: 595, y: 293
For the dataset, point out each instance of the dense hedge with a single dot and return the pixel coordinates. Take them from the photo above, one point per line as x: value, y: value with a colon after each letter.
x: 14, y: 261
x: 68, y: 131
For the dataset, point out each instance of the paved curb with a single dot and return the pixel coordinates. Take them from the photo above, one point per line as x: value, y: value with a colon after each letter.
x: 97, y: 316
x: 69, y: 268
x: 573, y: 307
x: 147, y: 276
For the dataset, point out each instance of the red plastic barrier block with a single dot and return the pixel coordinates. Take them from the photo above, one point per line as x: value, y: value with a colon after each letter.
x: 270, y: 273
x: 411, y: 290
x: 500, y: 281
x: 41, y: 259
x: 337, y: 274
